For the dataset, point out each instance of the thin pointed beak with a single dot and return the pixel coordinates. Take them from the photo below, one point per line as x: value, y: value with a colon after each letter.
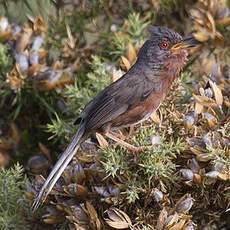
x: 186, y: 43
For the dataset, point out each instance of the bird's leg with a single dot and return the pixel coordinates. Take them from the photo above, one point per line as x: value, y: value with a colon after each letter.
x: 118, y: 134
x: 131, y: 130
x: 130, y: 147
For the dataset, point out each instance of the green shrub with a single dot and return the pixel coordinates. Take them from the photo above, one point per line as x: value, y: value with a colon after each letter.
x: 12, y: 203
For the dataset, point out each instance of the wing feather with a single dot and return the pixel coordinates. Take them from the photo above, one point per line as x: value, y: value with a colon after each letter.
x: 115, y: 100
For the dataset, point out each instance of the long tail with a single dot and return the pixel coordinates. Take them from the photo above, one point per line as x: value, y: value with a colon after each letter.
x: 59, y: 167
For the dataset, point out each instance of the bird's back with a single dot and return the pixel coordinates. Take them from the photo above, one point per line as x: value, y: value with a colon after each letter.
x: 126, y: 101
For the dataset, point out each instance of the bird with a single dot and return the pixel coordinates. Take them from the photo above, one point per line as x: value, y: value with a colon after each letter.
x: 129, y: 100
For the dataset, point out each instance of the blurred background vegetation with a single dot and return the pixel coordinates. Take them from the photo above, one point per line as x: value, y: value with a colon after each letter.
x: 54, y: 57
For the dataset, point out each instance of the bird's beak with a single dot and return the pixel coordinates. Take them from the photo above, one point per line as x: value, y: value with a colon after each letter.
x: 186, y: 43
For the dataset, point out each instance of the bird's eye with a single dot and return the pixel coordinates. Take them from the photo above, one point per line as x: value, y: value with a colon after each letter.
x: 163, y: 44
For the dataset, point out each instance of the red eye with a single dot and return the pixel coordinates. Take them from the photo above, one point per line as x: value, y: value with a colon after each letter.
x: 164, y: 45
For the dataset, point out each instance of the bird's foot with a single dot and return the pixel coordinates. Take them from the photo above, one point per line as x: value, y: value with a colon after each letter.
x: 138, y: 149
x: 131, y: 148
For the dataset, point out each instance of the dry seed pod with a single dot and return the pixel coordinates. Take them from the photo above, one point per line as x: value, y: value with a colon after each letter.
x: 189, y: 226
x: 194, y: 141
x: 197, y: 146
x: 194, y: 166
x: 52, y: 219
x: 125, y: 64
x: 80, y: 215
x: 22, y: 61
x: 197, y: 179
x: 225, y: 176
x: 106, y: 191
x: 34, y: 58
x: 196, y: 150
x: 78, y: 174
x: 217, y: 93
x: 117, y: 219
x: 158, y: 195
x: 155, y: 118
x: 24, y: 39
x: 93, y: 216
x: 131, y: 53
x: 51, y: 79
x: 207, y: 140
x: 102, y: 191
x: 185, y: 205
x: 212, y: 174
x: 198, y: 108
x: 77, y: 190
x: 189, y: 121
x: 38, y: 25
x: 15, y: 79
x: 38, y: 164
x: 201, y: 36
x: 37, y: 43
x: 16, y: 29
x: 116, y: 74
x: 4, y: 159
x: 102, y: 141
x: 203, y: 157
x: 4, y: 23
x: 211, y: 120
x: 205, y: 101
x: 218, y: 166
x: 180, y: 225
x: 162, y: 219
x: 187, y: 174
x: 171, y: 220
x: 208, y: 93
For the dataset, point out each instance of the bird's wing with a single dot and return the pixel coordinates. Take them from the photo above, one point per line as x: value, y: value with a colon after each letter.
x: 116, y: 99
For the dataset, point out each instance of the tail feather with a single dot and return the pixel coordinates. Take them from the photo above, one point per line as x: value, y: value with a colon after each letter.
x: 58, y: 169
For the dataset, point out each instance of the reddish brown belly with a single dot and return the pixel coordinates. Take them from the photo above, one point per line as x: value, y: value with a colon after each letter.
x: 139, y: 112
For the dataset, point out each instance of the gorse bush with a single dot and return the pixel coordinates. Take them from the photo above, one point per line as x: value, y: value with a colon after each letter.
x: 184, y: 171
x: 157, y: 163
x: 12, y: 201
x: 5, y: 60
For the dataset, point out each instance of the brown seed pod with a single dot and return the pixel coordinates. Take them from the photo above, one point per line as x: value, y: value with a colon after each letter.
x: 210, y: 119
x: 189, y: 121
x: 38, y: 164
x: 117, y: 219
x: 185, y: 205
x: 187, y: 174
x: 158, y: 195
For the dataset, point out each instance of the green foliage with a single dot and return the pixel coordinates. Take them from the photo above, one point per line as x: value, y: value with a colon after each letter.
x: 152, y: 165
x: 132, y: 31
x: 135, y: 175
x: 57, y: 127
x: 77, y: 96
x: 136, y: 26
x: 157, y: 163
x: 83, y: 90
x: 219, y: 157
x: 12, y: 200
x: 114, y: 161
x: 25, y: 8
x: 169, y: 4
x: 131, y: 194
x: 5, y: 59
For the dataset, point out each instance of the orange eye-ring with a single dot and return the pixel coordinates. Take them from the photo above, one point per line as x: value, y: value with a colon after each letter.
x: 164, y: 45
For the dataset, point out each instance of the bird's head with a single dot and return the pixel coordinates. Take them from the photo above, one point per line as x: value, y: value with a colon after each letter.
x: 166, y: 49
